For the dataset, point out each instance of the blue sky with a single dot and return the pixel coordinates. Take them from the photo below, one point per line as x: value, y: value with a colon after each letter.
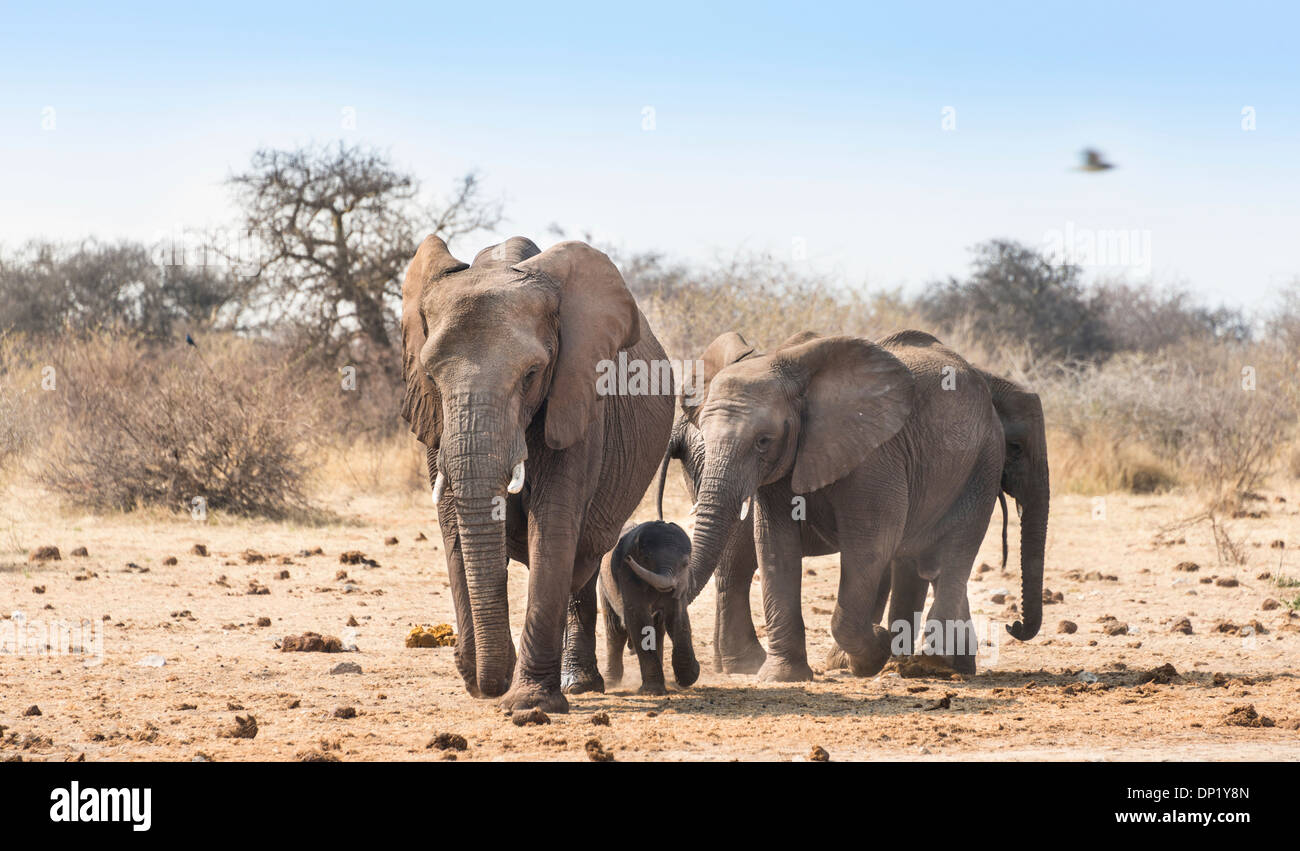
x: 811, y: 132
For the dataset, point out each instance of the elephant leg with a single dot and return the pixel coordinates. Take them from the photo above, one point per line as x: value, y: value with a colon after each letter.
x: 686, y: 669
x: 836, y: 657
x: 552, y: 558
x: 780, y: 557
x: 578, y: 670
x: 949, y: 630
x: 615, y: 643
x: 906, y: 601
x: 647, y: 635
x: 866, y: 553
x: 736, y: 648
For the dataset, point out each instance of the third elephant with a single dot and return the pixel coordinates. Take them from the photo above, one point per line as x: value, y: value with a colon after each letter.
x: 886, y: 452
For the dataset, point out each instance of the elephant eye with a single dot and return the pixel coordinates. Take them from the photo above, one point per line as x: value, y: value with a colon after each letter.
x: 529, y: 376
x: 763, y: 443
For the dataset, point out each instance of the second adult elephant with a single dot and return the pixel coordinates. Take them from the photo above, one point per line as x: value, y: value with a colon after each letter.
x: 887, y: 452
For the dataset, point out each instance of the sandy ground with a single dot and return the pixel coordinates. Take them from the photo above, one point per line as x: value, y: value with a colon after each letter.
x: 1061, y: 696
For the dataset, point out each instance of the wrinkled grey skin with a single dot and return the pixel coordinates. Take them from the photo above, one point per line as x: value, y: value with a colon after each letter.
x: 501, y: 359
x: 897, y: 454
x: 1025, y: 479
x: 642, y: 585
x: 736, y: 648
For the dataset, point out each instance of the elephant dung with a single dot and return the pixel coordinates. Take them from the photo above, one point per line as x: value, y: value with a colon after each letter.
x: 440, y: 635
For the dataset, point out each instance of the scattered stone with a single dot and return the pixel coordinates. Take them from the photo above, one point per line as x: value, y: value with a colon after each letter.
x: 199, y: 550
x: 1067, y: 627
x: 439, y: 635
x: 533, y: 717
x: 1050, y: 597
x: 447, y: 741
x: 600, y: 719
x: 819, y: 754
x: 1115, y: 628
x: 315, y: 755
x: 257, y: 588
x: 998, y: 598
x: 46, y: 553
x: 345, y: 712
x: 1182, y: 626
x: 81, y: 552
x: 314, y: 551
x: 357, y: 557
x: 596, y: 753
x: 292, y: 703
x: 263, y: 621
x: 245, y: 727
x: 284, y: 574
x: 31, y: 711
x: 1246, y: 716
x: 38, y: 589
x: 1187, y: 566
x: 352, y: 621
x: 252, y: 557
x: 1162, y: 676
x: 421, y: 537
x: 1277, y: 545
x: 185, y: 707
x: 170, y: 561
x: 390, y: 541
x: 311, y: 642
x: 346, y: 668
x: 1270, y: 604
x: 944, y: 702
x: 1225, y: 627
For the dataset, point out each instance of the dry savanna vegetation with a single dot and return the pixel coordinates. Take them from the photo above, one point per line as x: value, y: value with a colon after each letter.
x: 200, y: 457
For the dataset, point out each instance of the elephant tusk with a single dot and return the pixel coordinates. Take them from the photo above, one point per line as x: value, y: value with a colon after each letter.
x: 744, y: 508
x: 516, y: 479
x: 438, y: 485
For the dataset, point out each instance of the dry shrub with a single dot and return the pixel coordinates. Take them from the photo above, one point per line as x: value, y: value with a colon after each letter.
x: 232, y: 423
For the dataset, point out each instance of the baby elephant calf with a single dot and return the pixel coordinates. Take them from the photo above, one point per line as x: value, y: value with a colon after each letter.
x: 643, y: 585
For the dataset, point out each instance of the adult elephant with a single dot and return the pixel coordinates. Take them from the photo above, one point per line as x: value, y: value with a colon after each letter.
x: 1026, y: 479
x: 527, y: 458
x: 889, y: 452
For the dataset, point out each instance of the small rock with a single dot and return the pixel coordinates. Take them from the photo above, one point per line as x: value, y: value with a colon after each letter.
x: 421, y: 537
x: 1067, y: 627
x: 1226, y: 582
x: 252, y: 557
x: 448, y: 741
x: 1188, y: 566
x: 47, y: 553
x: 32, y: 710
x: 1115, y: 628
x: 346, y: 668
x: 1246, y: 716
x: 311, y: 642
x: 82, y: 552
x: 357, y: 557
x: 263, y: 621
x: 345, y: 712
x: 352, y: 621
x: 315, y: 755
x: 600, y: 719
x: 531, y: 717
x: 38, y: 589
x: 390, y: 541
x: 245, y: 727
x: 199, y: 550
x: 819, y: 754
x: 1183, y: 626
x: 1270, y: 604
x: 170, y: 561
x: 596, y: 753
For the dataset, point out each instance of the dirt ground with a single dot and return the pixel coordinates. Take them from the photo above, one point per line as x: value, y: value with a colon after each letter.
x: 1074, y: 696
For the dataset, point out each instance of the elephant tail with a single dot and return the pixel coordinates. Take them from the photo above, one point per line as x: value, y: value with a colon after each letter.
x: 1002, y: 500
x: 663, y: 474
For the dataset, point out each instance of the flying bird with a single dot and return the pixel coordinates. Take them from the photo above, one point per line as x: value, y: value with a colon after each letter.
x: 1092, y: 161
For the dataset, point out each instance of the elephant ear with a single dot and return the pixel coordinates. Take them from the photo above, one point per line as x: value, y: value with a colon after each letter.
x: 856, y: 396
x: 797, y: 338
x: 598, y: 317
x: 421, y: 406
x: 727, y: 348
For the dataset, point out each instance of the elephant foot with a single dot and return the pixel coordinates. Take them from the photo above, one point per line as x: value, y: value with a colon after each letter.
x: 776, y: 670
x: 653, y: 689
x: 686, y: 673
x: 836, y: 658
x: 748, y: 661
x: 528, y: 695
x: 582, y: 681
x: 964, y: 664
x: 870, y: 661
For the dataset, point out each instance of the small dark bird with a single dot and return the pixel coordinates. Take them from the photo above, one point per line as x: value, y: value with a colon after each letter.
x: 190, y: 341
x: 1092, y: 161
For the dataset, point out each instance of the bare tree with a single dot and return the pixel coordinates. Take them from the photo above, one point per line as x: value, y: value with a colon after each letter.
x: 336, y: 227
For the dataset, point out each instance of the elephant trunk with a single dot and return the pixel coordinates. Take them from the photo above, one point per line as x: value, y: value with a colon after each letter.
x: 717, y: 512
x: 1033, y: 541
x: 477, y: 462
